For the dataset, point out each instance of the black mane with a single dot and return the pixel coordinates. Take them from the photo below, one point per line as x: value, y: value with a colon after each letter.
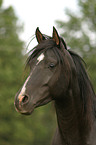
x: 86, y: 89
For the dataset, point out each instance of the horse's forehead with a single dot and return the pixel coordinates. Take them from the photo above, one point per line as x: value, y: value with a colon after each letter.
x: 50, y: 53
x: 47, y: 54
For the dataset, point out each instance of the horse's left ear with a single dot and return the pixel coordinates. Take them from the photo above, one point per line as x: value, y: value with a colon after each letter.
x: 59, y: 40
x: 56, y: 37
x: 39, y: 35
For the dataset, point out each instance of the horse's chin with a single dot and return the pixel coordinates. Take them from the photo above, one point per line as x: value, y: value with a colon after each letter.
x: 26, y: 112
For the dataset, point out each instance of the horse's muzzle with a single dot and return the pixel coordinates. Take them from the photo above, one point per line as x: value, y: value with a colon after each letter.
x: 21, y: 104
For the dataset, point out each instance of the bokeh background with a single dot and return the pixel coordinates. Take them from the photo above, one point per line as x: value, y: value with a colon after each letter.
x: 77, y: 27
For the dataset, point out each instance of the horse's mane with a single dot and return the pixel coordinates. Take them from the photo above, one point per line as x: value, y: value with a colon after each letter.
x: 87, y: 93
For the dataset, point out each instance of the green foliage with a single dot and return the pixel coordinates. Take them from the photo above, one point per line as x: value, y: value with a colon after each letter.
x: 79, y: 31
x: 11, y: 62
x: 1, y: 2
x: 16, y: 129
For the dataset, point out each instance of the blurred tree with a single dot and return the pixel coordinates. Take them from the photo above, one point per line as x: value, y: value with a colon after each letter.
x: 11, y: 62
x: 1, y: 2
x: 79, y: 31
x: 16, y: 129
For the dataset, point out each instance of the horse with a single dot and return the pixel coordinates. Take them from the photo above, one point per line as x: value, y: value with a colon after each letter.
x: 58, y: 74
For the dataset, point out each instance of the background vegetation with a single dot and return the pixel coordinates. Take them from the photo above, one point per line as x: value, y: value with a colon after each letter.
x: 79, y: 31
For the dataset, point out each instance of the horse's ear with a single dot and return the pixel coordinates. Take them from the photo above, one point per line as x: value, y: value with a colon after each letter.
x: 39, y: 35
x: 56, y: 37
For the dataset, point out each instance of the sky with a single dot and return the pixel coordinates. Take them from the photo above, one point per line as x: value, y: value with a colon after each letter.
x: 39, y: 13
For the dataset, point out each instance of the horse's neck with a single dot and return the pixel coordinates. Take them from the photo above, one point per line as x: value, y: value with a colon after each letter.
x: 72, y: 126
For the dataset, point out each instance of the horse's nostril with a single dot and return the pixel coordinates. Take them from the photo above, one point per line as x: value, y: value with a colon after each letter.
x: 25, y: 99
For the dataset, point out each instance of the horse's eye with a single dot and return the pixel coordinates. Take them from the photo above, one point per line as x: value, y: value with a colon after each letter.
x: 52, y: 65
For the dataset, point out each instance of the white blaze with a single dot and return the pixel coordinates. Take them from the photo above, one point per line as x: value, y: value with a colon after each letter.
x: 23, y: 89
x: 22, y: 93
x: 40, y: 58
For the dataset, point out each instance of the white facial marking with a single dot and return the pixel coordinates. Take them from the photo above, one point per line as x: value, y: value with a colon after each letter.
x: 22, y: 93
x: 40, y: 58
x: 23, y: 89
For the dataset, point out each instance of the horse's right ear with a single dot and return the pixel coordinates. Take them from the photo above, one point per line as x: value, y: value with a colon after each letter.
x: 39, y: 35
x: 56, y: 37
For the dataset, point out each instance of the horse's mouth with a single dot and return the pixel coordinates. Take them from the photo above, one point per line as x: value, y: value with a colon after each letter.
x: 23, y: 111
x: 25, y: 105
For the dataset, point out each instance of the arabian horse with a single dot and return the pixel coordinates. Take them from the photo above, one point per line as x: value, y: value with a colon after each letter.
x: 57, y: 73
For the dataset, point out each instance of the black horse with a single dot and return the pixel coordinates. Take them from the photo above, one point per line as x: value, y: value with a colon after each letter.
x: 59, y: 74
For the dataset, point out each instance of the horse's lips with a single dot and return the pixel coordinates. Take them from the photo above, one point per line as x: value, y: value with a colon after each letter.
x: 26, y: 112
